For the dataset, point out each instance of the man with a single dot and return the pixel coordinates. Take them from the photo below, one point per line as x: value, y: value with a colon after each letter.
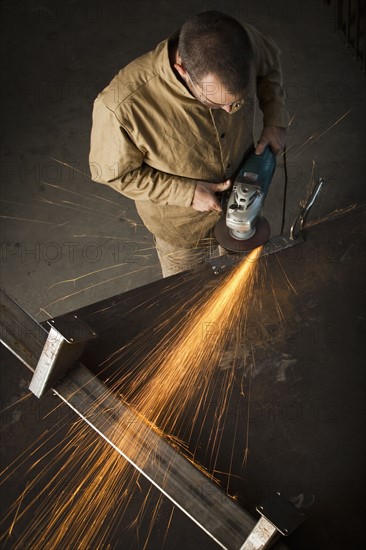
x: 173, y: 127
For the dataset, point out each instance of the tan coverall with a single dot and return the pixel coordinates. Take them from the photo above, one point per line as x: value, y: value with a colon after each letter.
x: 152, y: 140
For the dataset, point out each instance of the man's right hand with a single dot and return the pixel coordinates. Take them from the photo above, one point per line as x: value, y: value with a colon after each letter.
x: 204, y: 199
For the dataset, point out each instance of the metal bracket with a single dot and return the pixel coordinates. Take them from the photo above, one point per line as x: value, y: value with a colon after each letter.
x: 279, y: 516
x: 64, y: 345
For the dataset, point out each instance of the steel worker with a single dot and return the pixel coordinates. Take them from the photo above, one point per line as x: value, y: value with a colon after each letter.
x: 173, y: 127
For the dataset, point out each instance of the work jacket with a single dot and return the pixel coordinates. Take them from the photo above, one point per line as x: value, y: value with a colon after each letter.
x: 152, y: 140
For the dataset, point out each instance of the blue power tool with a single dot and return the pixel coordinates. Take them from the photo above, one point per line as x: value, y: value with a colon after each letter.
x: 243, y: 227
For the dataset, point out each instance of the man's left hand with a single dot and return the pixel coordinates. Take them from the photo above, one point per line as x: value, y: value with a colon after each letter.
x: 275, y: 137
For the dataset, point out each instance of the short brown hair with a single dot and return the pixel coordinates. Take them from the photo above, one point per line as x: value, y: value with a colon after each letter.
x: 213, y: 42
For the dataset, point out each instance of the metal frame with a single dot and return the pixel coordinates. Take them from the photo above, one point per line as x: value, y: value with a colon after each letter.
x: 228, y: 524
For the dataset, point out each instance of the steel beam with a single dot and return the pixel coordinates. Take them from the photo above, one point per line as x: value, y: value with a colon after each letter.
x: 178, y: 479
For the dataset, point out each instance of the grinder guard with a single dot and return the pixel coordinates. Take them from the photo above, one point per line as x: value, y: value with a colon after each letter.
x: 245, y: 203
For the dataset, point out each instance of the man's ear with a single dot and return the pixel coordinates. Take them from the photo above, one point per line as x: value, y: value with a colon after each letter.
x: 181, y: 70
x: 179, y: 67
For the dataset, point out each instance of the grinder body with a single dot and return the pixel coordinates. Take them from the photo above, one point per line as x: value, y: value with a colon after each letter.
x: 243, y: 227
x: 259, y: 169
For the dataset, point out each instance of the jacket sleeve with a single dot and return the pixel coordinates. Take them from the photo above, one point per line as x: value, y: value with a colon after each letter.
x: 269, y: 81
x: 115, y: 161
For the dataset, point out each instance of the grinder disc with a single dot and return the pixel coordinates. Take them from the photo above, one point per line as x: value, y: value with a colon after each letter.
x: 223, y: 237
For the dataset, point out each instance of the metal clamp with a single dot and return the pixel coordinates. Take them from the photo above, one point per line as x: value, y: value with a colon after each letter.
x: 304, y: 210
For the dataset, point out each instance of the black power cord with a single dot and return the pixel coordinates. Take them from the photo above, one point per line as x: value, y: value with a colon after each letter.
x: 284, y: 191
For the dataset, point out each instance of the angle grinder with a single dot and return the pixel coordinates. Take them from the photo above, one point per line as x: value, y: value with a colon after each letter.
x: 243, y: 228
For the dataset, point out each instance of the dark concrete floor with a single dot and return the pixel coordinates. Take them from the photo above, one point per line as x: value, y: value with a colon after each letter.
x: 68, y: 242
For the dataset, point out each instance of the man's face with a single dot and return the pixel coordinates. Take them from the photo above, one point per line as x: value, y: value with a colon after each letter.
x: 213, y: 94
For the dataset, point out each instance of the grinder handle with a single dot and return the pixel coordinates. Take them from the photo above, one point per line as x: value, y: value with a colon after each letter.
x: 263, y: 165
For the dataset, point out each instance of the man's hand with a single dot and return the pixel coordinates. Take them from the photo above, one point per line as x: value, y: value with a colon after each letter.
x: 275, y: 137
x: 204, y: 199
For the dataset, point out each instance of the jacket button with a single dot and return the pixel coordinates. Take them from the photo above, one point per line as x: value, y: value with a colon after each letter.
x: 222, y: 135
x: 228, y: 165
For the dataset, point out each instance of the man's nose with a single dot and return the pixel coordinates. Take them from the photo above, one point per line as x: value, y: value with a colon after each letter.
x: 227, y: 108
